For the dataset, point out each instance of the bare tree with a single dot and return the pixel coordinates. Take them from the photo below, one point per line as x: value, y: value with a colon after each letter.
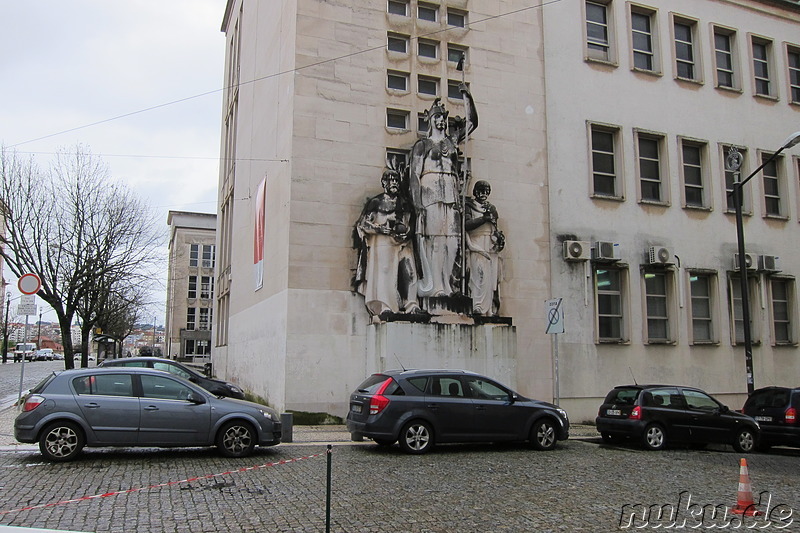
x: 81, y: 233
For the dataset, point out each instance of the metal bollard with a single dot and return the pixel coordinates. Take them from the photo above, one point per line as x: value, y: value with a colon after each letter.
x: 287, y: 423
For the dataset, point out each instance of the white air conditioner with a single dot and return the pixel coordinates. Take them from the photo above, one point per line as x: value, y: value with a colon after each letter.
x: 769, y: 263
x: 605, y: 251
x: 577, y: 250
x: 751, y: 260
x: 660, y: 255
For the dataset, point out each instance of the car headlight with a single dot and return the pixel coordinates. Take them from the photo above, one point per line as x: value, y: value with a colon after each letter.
x: 235, y: 389
x: 563, y: 413
x: 272, y: 415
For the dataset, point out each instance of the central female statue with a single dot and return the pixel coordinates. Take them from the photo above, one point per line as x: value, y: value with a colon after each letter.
x: 435, y: 182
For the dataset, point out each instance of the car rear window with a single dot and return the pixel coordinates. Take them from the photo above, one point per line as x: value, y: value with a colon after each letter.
x: 373, y: 383
x: 768, y: 398
x: 42, y: 384
x: 623, y: 396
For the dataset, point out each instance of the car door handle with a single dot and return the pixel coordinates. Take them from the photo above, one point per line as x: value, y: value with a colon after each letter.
x: 480, y: 408
x: 151, y: 408
x: 433, y: 406
x: 92, y: 405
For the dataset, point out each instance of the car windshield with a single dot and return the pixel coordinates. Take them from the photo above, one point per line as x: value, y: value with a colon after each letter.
x: 624, y: 396
x: 768, y: 398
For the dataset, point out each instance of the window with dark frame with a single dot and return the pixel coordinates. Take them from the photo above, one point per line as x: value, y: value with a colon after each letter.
x: 192, y: 287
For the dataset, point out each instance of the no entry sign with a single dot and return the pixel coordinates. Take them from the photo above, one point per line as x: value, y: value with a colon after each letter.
x: 29, y: 284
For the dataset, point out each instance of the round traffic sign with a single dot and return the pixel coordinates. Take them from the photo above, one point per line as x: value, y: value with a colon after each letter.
x: 29, y: 284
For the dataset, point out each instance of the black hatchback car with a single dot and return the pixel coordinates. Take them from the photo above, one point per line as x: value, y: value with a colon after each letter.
x: 776, y: 409
x: 421, y: 408
x: 657, y: 415
x: 215, y: 386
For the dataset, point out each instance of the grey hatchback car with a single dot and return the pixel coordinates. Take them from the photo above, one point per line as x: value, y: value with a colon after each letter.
x: 419, y: 408
x: 138, y: 407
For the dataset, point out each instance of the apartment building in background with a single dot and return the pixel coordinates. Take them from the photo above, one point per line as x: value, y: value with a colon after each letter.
x: 190, y: 285
x: 604, y: 126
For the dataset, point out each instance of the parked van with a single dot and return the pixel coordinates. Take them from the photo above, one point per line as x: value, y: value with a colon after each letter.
x: 24, y: 349
x: 45, y: 354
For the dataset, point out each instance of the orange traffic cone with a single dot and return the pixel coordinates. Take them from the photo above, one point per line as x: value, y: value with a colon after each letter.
x: 745, y: 505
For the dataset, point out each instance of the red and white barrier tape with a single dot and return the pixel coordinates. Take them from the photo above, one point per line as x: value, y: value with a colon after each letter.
x: 167, y: 484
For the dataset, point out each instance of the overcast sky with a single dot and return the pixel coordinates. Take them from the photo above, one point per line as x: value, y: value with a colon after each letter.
x: 67, y: 64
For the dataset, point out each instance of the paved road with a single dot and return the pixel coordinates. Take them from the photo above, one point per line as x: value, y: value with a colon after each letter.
x: 582, y: 486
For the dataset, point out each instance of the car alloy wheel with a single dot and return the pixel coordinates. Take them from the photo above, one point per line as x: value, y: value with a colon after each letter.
x: 236, y: 439
x: 745, y: 441
x: 61, y: 441
x: 416, y: 437
x: 654, y: 437
x: 543, y: 435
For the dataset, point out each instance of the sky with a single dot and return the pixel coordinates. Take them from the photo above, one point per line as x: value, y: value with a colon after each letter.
x: 136, y: 82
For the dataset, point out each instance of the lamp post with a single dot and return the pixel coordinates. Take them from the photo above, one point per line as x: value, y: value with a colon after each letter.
x: 733, y: 162
x: 5, y: 329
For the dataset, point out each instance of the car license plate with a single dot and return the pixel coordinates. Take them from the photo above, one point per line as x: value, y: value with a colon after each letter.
x: 355, y: 408
x: 613, y: 412
x: 763, y: 418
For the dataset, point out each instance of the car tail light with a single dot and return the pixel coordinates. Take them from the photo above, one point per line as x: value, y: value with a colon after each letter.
x: 32, y: 402
x: 636, y: 413
x: 379, y: 402
x: 791, y: 415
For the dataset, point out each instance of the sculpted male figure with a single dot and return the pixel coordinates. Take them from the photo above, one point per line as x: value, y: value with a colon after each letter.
x: 435, y: 186
x: 386, y: 274
x: 484, y: 243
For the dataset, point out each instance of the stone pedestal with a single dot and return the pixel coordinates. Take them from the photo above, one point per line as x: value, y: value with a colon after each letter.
x: 489, y: 349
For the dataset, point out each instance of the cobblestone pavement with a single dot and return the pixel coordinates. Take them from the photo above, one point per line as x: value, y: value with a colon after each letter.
x: 581, y: 486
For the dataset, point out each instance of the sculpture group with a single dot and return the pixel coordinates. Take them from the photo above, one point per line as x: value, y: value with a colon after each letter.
x: 424, y: 248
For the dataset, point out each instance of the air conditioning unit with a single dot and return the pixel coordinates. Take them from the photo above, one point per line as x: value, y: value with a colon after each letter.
x: 605, y: 251
x: 751, y: 260
x: 660, y: 255
x: 769, y: 263
x: 577, y: 250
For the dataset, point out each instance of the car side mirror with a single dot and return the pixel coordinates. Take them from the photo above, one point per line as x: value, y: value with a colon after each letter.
x: 724, y: 409
x: 513, y: 398
x: 195, y: 398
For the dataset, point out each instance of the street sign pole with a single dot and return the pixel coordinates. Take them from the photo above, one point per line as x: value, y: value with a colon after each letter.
x: 28, y: 285
x: 555, y: 325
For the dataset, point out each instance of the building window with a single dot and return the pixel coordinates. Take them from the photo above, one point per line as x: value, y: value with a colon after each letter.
x: 610, y: 305
x: 194, y: 255
x: 657, y: 286
x: 702, y: 302
x: 455, y: 53
x: 192, y: 287
x: 208, y: 256
x: 453, y: 89
x: 599, y: 34
x: 650, y: 168
x: 793, y: 58
x: 686, y: 57
x: 732, y: 178
x: 207, y: 287
x: 456, y: 18
x: 397, y: 43
x: 643, y: 40
x: 204, y: 323
x: 397, y: 80
x: 762, y: 52
x: 428, y: 12
x: 692, y: 167
x: 772, y: 187
x: 428, y: 85
x: 725, y: 58
x: 429, y: 49
x: 398, y: 7
x: 397, y: 119
x: 191, y: 318
x: 780, y: 292
x: 396, y: 158
x: 604, y: 143
x: 736, y: 302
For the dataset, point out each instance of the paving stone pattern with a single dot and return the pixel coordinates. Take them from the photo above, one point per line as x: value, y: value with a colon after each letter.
x: 581, y: 486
